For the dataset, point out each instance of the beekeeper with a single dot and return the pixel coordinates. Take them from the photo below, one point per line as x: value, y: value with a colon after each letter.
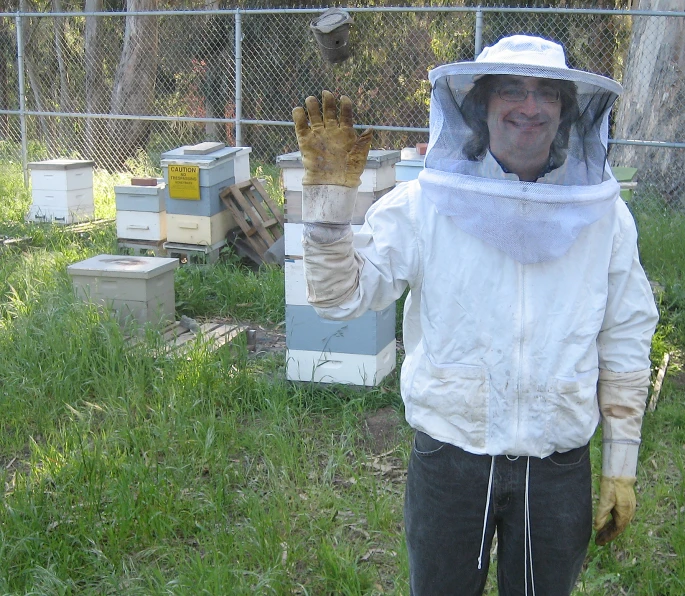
x: 528, y: 318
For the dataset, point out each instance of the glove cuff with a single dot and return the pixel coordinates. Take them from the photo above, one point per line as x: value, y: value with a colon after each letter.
x: 619, y: 460
x: 328, y: 203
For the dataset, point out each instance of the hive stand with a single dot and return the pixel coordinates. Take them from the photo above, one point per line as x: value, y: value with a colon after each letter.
x: 246, y: 201
x: 142, y: 247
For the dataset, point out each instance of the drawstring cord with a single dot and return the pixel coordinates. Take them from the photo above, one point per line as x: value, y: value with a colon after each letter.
x: 527, y: 546
x: 528, y: 541
x: 487, y: 507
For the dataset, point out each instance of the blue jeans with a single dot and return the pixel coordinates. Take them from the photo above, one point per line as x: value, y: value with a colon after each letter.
x: 444, y: 514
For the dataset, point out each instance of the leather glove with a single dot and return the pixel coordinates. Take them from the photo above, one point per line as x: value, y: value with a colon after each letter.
x: 622, y: 398
x: 333, y: 157
x: 616, y: 497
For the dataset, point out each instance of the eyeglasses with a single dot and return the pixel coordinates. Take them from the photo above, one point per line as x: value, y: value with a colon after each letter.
x: 518, y: 94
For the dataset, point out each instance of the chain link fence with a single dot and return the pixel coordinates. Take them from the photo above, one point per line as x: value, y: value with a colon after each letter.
x: 122, y: 88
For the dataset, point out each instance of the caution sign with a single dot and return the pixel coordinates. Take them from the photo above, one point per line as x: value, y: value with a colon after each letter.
x: 184, y: 182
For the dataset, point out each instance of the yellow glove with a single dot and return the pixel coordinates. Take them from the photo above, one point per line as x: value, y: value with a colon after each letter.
x: 332, y: 153
x: 616, y: 497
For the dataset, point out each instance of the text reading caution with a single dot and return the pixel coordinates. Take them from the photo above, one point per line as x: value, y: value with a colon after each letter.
x: 184, y: 182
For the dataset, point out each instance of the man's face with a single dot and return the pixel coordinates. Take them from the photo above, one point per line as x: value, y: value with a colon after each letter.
x: 522, y: 128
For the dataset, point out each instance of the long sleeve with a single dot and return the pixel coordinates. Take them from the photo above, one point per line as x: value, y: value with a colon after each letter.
x: 349, y: 275
x: 624, y: 345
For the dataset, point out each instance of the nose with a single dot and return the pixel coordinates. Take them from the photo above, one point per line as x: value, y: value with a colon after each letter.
x: 531, y: 104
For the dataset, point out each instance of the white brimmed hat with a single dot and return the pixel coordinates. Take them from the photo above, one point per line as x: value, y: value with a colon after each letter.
x: 526, y: 56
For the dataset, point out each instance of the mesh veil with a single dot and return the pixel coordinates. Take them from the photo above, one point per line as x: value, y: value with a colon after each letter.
x: 531, y: 222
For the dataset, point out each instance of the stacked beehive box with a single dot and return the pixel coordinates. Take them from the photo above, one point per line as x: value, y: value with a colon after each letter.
x: 141, y: 211
x: 62, y: 190
x: 194, y: 176
x: 356, y: 352
x: 411, y: 164
x: 135, y: 288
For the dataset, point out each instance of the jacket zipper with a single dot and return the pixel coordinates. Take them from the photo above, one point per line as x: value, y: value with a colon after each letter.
x: 520, y: 364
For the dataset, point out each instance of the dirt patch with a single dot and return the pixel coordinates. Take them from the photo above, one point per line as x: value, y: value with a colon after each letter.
x: 382, y: 430
x: 264, y: 341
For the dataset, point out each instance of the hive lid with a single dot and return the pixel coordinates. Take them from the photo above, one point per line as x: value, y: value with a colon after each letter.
x: 211, y: 159
x: 376, y: 159
x: 139, y: 190
x: 203, y: 148
x: 123, y: 266
x: 61, y: 164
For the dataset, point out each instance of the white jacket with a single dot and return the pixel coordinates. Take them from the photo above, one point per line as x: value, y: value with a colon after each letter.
x: 501, y: 357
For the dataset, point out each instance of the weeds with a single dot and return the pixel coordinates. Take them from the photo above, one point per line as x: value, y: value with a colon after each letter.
x: 128, y: 471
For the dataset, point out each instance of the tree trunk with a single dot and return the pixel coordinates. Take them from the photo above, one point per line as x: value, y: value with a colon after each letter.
x: 31, y: 73
x: 651, y: 106
x: 63, y: 129
x: 134, y: 81
x: 96, y: 102
x: 212, y: 129
x: 7, y: 52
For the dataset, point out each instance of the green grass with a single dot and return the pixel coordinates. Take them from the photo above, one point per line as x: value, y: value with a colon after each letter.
x: 127, y: 471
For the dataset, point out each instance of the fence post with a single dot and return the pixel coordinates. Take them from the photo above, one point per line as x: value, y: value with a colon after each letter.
x: 238, y: 78
x: 479, y: 31
x: 22, y: 100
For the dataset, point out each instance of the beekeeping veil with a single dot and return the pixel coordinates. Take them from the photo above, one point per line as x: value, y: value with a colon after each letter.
x: 530, y: 221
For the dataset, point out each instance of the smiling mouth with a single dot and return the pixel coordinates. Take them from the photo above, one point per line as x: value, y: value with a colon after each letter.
x: 527, y: 124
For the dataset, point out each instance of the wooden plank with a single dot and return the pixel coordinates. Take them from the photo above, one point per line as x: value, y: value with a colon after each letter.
x: 256, y: 203
x: 214, y: 335
x: 238, y: 215
x: 268, y: 221
x: 247, y: 208
x: 256, y: 241
x: 658, y: 383
x: 268, y: 200
x: 88, y: 225
x: 179, y: 340
x: 246, y: 202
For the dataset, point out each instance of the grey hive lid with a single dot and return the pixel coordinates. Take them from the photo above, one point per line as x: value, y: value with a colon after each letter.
x: 139, y: 190
x: 61, y: 164
x: 179, y: 155
x: 376, y: 159
x: 123, y: 266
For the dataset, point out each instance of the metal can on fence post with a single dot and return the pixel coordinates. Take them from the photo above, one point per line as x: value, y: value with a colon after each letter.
x: 332, y: 30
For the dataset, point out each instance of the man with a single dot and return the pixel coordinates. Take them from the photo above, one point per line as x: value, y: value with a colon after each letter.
x: 528, y: 319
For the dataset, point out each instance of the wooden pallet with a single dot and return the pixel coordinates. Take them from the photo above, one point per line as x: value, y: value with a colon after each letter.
x: 15, y: 242
x: 179, y: 340
x: 247, y: 202
x: 87, y: 226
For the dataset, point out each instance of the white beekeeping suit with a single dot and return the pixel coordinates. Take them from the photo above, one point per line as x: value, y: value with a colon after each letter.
x: 529, y: 317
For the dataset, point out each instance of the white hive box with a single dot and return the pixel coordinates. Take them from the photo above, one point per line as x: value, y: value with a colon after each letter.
x: 61, y: 190
x: 196, y: 174
x: 349, y: 369
x: 140, y: 288
x: 197, y: 229
x: 411, y: 164
x: 141, y: 225
x: 140, y: 212
x: 377, y: 178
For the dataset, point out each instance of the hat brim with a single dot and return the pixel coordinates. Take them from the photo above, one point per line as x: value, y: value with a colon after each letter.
x: 462, y: 75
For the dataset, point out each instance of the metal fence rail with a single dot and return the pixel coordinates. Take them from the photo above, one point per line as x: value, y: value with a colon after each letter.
x: 121, y: 88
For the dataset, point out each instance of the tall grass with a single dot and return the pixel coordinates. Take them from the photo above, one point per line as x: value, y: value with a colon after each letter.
x: 127, y: 470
